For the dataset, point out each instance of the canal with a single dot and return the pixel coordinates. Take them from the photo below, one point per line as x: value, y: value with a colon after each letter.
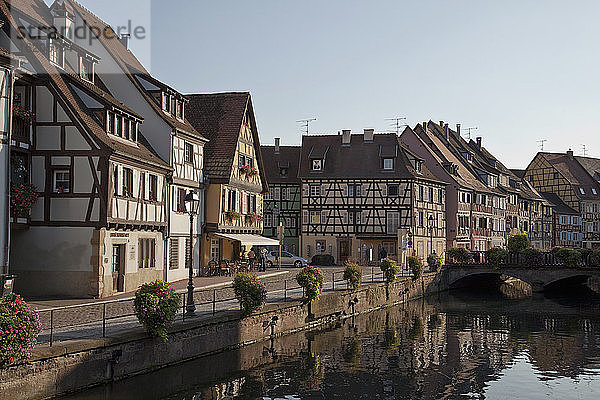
x: 451, y: 346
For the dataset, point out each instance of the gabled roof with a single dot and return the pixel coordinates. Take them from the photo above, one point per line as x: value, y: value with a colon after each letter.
x: 219, y: 117
x: 288, y: 157
x: 519, y: 173
x: 57, y: 80
x: 570, y: 168
x: 557, y: 204
x: 360, y: 159
x: 130, y: 65
x: 591, y: 165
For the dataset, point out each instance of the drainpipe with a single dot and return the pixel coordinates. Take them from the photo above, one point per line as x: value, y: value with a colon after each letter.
x: 168, y: 230
x: 6, y: 251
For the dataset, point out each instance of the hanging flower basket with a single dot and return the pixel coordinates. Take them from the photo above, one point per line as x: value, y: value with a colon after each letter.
x: 232, y: 215
x: 248, y: 171
x: 23, y: 197
x: 24, y: 114
x: 253, y: 217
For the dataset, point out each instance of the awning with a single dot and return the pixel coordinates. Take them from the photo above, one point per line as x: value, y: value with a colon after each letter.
x: 248, y: 239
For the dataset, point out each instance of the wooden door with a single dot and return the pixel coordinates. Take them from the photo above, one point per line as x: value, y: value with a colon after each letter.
x: 118, y: 268
x: 344, y: 250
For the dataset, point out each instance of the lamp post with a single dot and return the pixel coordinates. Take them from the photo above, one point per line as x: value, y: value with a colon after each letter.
x: 192, y: 204
x: 430, y: 224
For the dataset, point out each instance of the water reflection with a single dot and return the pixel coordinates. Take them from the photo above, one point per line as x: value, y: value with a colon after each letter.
x: 453, y: 346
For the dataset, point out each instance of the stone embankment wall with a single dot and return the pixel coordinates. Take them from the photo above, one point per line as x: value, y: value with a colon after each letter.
x: 75, y: 365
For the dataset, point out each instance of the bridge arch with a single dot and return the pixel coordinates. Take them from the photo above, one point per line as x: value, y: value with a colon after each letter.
x: 576, y: 279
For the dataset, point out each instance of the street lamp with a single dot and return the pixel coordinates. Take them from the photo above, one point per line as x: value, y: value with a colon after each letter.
x: 430, y: 224
x: 192, y: 204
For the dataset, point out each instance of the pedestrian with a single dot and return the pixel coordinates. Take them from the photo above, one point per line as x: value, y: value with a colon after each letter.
x: 263, y: 253
x: 382, y: 253
x: 251, y: 257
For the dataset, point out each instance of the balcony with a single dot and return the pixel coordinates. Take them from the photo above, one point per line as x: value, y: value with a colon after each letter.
x: 21, y: 130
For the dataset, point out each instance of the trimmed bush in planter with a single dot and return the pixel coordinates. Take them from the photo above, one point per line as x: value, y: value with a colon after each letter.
x: 416, y: 266
x: 155, y: 306
x: 19, y: 328
x: 518, y: 243
x: 250, y: 292
x: 532, y: 257
x: 435, y: 262
x: 353, y: 275
x: 390, y: 269
x: 311, y: 279
x: 496, y: 255
x: 460, y: 255
x: 569, y: 257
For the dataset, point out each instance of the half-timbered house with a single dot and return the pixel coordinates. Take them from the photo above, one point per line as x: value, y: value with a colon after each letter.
x: 234, y: 168
x: 165, y: 128
x: 282, y: 203
x: 563, y: 175
x: 98, y: 225
x: 364, y: 192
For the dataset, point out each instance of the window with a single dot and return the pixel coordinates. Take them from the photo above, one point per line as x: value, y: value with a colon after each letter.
x: 251, y: 203
x: 180, y: 200
x: 430, y: 195
x: 594, y: 191
x: 152, y: 188
x: 419, y: 166
x: 127, y: 182
x: 214, y: 249
x: 56, y: 54
x: 268, y: 220
x: 179, y: 111
x: 166, y: 103
x: 320, y: 246
x: 390, y: 248
x: 317, y: 165
x: 581, y: 190
x: 116, y: 180
x: 118, y: 125
x: 173, y: 104
x: 556, y: 175
x: 268, y: 196
x: 242, y: 160
x: 110, y: 122
x: 174, y: 254
x: 421, y: 193
x: 354, y: 190
x: 388, y: 163
x: 285, y: 193
x: 189, y: 153
x: 283, y: 172
x: 393, y: 222
x: 147, y: 253
x: 291, y: 222
x: 440, y: 196
x: 392, y: 190
x: 19, y: 170
x: 86, y: 69
x: 126, y: 129
x: 62, y: 181
x: 421, y: 220
x: 277, y: 193
x: 315, y: 190
x: 315, y: 217
x: 142, y: 194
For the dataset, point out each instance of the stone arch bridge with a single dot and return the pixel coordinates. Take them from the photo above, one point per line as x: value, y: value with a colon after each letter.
x: 540, y: 278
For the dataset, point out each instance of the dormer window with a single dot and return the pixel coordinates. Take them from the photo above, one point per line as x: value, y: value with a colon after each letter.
x: 594, y: 192
x: 179, y: 110
x: 317, y: 165
x: 56, y: 53
x: 419, y: 166
x: 283, y: 172
x: 110, y: 122
x: 581, y: 190
x: 121, y: 126
x: 166, y: 102
x: 86, y: 69
x: 388, y: 164
x: 118, y: 126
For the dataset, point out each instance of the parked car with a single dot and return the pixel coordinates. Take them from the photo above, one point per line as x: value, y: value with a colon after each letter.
x: 287, y: 258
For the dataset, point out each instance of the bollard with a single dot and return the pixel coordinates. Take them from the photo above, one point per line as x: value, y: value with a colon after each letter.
x: 51, y: 327
x: 333, y: 283
x: 104, y: 320
x: 214, y: 301
x: 183, y: 308
x: 372, y: 276
x: 285, y: 290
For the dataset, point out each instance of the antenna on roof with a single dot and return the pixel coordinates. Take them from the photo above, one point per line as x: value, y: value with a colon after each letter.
x: 306, y: 123
x: 541, y: 143
x: 397, y: 123
x: 584, y: 150
x: 473, y: 128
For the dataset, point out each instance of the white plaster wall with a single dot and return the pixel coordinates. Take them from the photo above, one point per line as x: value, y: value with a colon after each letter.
x: 44, y: 105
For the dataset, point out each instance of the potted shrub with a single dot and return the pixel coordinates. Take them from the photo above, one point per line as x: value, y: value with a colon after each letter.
x: 155, y: 306
x: 532, y: 257
x: 19, y: 328
x: 518, y: 243
x: 416, y: 266
x: 353, y: 275
x: 311, y: 279
x: 435, y: 262
x: 250, y: 292
x: 390, y: 269
x: 460, y: 255
x: 23, y: 197
x: 496, y: 256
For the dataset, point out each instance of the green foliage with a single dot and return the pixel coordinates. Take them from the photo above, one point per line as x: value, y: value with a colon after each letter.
x: 250, y: 292
x: 22, y: 198
x: 594, y: 260
x: 518, y: 243
x: 155, y: 306
x: 460, y: 255
x: 390, y: 269
x: 569, y: 257
x: 19, y: 328
x: 532, y: 257
x: 435, y: 262
x: 353, y: 274
x: 496, y: 255
x: 416, y: 266
x: 311, y: 279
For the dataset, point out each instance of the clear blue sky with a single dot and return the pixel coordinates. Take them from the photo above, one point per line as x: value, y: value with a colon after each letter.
x: 518, y: 70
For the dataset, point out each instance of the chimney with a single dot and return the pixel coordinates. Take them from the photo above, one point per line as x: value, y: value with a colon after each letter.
x: 441, y: 123
x: 458, y: 130
x: 446, y: 131
x: 346, y: 137
x: 478, y: 139
x: 125, y: 40
x: 570, y: 154
x: 369, y: 133
x: 277, y: 140
x: 425, y: 126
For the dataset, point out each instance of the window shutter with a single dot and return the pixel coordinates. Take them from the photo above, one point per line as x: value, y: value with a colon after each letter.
x: 344, y: 190
x: 345, y: 217
x: 324, y: 188
x: 305, y: 217
x: 323, y: 216
x: 384, y: 190
x: 364, y: 189
x: 244, y: 199
x: 305, y: 190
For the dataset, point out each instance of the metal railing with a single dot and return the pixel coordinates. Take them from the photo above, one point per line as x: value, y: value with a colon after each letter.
x: 92, y: 320
x: 543, y: 259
